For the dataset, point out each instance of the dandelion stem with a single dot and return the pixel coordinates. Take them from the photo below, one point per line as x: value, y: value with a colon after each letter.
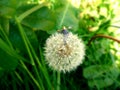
x: 58, y: 80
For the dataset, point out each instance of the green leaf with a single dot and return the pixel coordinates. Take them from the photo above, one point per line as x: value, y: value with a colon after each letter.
x: 4, y: 22
x: 94, y: 71
x: 101, y: 75
x: 17, y: 41
x: 1, y: 71
x: 105, y: 24
x: 66, y: 16
x: 42, y: 36
x: 7, y: 61
x: 48, y: 20
x: 8, y: 7
x: 7, y: 58
x: 6, y: 11
x: 31, y: 10
x: 101, y: 83
x: 43, y: 19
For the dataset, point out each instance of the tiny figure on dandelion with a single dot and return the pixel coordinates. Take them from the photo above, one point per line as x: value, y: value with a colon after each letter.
x: 64, y: 50
x: 65, y: 32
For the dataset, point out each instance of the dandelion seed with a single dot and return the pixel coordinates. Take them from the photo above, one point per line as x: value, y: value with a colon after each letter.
x: 64, y: 51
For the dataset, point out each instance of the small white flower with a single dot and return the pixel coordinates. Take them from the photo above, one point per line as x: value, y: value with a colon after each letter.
x: 64, y: 56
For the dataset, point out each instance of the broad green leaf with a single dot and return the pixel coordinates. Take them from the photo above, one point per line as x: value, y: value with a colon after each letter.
x: 1, y: 71
x: 42, y: 36
x: 43, y: 19
x: 66, y: 16
x: 18, y: 42
x: 4, y: 22
x: 6, y: 11
x: 8, y: 7
x: 7, y: 59
x: 101, y: 83
x: 47, y: 20
x: 16, y: 39
x: 101, y: 75
x: 96, y: 71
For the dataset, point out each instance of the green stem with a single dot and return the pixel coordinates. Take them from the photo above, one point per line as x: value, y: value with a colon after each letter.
x: 103, y: 36
x: 28, y: 12
x: 41, y: 67
x: 44, y: 69
x: 58, y: 80
x: 64, y: 14
x: 25, y: 39
x: 29, y: 73
x: 19, y: 77
x: 5, y: 36
x: 14, y: 84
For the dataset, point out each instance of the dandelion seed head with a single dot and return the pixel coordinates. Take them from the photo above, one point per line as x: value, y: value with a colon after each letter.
x: 64, y: 57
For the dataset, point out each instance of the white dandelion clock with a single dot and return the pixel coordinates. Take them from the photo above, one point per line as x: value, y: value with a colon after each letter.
x: 64, y: 51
